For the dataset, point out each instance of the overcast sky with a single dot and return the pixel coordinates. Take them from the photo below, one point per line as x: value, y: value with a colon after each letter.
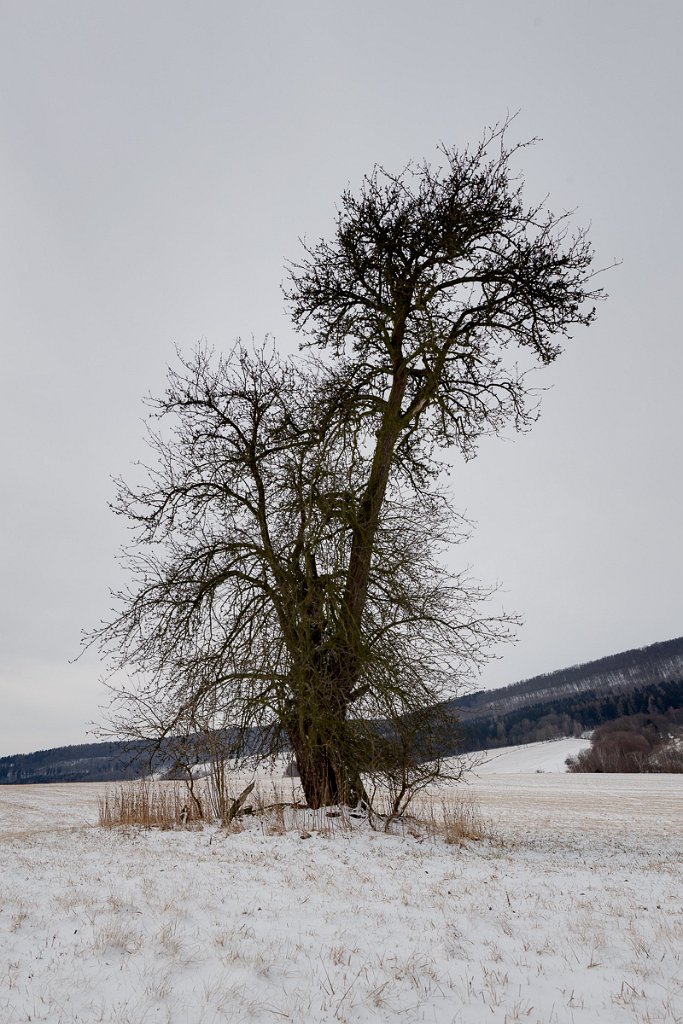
x: 159, y: 162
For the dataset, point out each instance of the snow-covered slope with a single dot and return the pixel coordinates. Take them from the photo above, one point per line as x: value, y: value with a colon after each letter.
x: 529, y: 758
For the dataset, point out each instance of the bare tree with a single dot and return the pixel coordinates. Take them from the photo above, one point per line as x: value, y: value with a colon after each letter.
x: 287, y: 567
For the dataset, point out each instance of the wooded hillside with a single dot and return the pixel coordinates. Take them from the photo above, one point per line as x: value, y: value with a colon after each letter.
x: 563, y: 703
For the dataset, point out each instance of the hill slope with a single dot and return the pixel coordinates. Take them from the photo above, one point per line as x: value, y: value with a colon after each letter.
x: 567, y: 702
x: 573, y: 700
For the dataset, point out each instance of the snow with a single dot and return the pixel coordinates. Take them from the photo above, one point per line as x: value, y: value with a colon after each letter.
x: 570, y: 910
x: 530, y: 757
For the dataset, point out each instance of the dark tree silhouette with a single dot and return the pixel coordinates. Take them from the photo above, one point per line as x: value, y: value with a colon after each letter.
x: 287, y: 571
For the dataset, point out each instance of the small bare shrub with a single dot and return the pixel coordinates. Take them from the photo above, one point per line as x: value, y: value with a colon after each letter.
x: 668, y: 758
x: 406, y: 759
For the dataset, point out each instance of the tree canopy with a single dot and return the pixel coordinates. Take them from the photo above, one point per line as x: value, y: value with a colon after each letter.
x: 287, y: 569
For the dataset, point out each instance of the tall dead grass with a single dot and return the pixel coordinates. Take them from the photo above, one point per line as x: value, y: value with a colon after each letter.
x: 454, y: 817
x: 462, y: 820
x: 147, y: 803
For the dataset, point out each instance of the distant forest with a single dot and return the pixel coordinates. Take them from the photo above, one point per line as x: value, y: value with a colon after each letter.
x: 574, y: 700
x: 85, y: 762
x: 568, y: 702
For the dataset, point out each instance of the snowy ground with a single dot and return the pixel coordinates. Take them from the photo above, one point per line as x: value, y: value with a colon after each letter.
x: 572, y: 912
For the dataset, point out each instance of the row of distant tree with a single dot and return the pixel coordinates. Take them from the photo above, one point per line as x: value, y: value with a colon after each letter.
x: 634, y: 743
x: 84, y: 762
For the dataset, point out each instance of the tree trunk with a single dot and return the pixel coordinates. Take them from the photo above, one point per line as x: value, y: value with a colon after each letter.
x: 319, y: 780
x: 363, y: 542
x: 327, y: 773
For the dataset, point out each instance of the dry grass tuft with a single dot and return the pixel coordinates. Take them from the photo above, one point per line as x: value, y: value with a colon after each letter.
x: 463, y: 821
x: 455, y: 819
x: 148, y: 804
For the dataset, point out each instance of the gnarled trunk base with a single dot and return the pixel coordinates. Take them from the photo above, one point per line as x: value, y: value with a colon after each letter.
x: 325, y: 779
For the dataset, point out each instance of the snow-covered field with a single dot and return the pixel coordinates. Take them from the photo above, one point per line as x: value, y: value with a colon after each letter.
x: 572, y: 911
